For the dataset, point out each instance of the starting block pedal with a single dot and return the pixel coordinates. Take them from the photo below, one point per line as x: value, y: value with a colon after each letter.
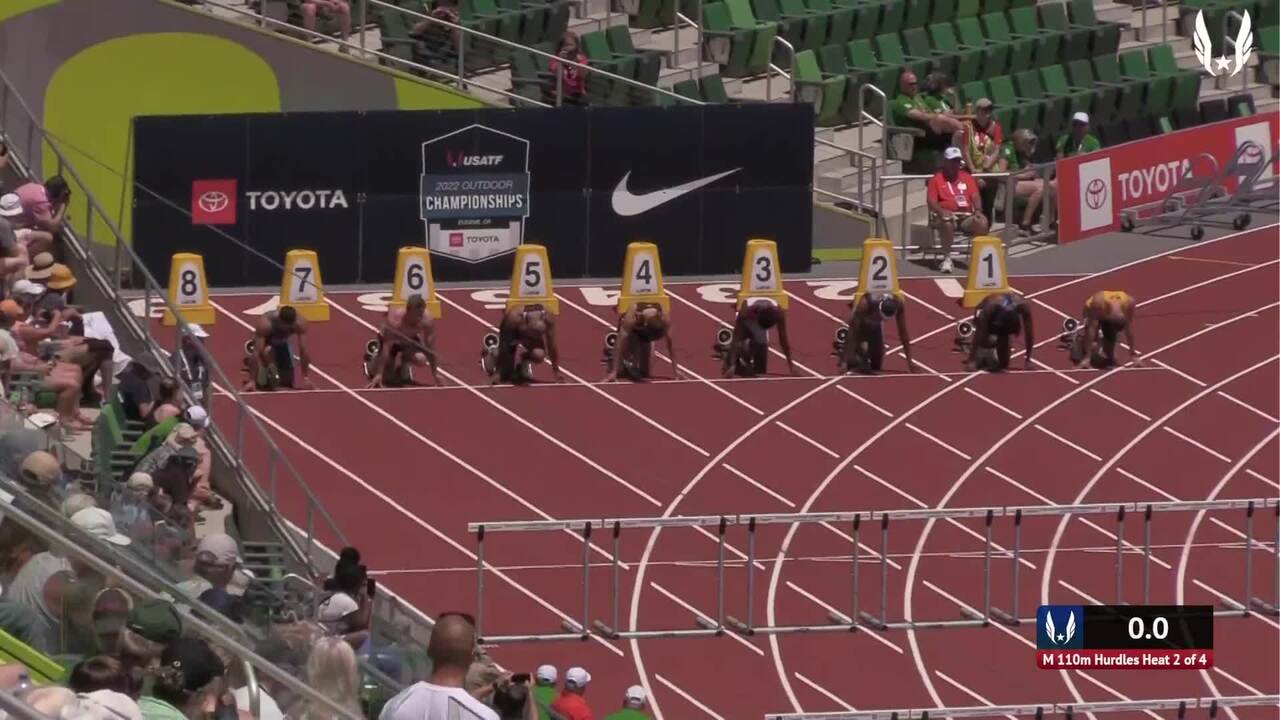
x: 724, y: 336
x: 371, y: 352
x: 610, y: 346
x: 489, y: 353
x: 964, y: 335
x: 842, y: 337
x: 1070, y: 326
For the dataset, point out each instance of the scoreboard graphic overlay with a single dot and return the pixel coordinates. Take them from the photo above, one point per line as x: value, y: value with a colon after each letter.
x: 1124, y: 637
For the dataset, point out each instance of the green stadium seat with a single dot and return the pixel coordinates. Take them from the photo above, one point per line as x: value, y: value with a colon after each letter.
x: 1076, y: 40
x: 995, y: 55
x: 839, y: 21
x: 824, y: 91
x: 1021, y: 49
x: 648, y: 62
x: 713, y: 90
x: 917, y: 14
x: 889, y: 52
x: 557, y: 23
x: 735, y: 40
x: 968, y: 8
x: 740, y: 15
x: 916, y: 44
x: 1053, y: 110
x: 862, y: 61
x: 533, y: 24
x: 653, y: 14
x: 972, y: 92
x: 1048, y: 43
x: 866, y: 20
x: 1054, y: 80
x: 893, y: 17
x: 1106, y: 98
x: 531, y: 76
x: 1106, y: 35
x: 1026, y: 113
x: 969, y: 60
x: 507, y: 21
x: 832, y: 60
x: 688, y: 89
x: 943, y: 11
x: 1159, y: 96
x: 1186, y: 83
x: 1132, y: 93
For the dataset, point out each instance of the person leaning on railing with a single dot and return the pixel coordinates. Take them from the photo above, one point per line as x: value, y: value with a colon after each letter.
x: 44, y: 210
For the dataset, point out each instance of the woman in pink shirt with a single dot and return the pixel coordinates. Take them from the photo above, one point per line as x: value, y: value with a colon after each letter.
x: 573, y: 85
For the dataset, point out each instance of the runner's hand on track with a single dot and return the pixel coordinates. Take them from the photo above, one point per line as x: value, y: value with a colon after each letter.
x: 1083, y: 364
x: 376, y: 382
x: 306, y: 384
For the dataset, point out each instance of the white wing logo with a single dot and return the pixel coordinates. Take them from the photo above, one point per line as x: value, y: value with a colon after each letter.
x: 1050, y: 629
x: 1203, y: 46
x: 1071, y: 626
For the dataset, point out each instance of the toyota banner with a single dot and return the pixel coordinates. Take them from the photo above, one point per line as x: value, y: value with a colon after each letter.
x: 242, y: 190
x: 1137, y: 177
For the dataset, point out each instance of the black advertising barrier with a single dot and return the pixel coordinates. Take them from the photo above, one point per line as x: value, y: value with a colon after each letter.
x: 697, y: 181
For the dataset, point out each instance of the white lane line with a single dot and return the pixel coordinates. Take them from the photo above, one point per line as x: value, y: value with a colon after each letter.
x: 1179, y: 373
x: 1056, y: 371
x: 727, y: 546
x: 952, y: 521
x: 687, y: 697
x: 1130, y: 547
x: 938, y: 441
x: 1232, y: 602
x: 1115, y: 693
x: 806, y: 438
x: 428, y: 442
x: 950, y: 287
x: 1247, y: 687
x: 845, y: 617
x: 956, y: 684
x: 498, y: 406
x: 758, y: 485
x: 1080, y: 592
x: 1067, y: 442
x: 1119, y: 404
x: 849, y: 539
x: 1153, y: 488
x: 704, y: 617
x: 864, y: 401
x: 992, y: 403
x: 1263, y: 478
x: 1249, y: 407
x: 943, y: 313
x: 970, y: 609
x: 825, y: 693
x: 1197, y: 443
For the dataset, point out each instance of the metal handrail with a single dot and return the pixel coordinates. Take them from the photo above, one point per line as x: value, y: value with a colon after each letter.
x: 287, y: 532
x: 265, y: 21
x: 697, y: 26
x: 469, y: 32
x: 864, y: 117
x: 790, y: 76
x: 190, y: 621
x: 858, y: 158
x: 1181, y: 704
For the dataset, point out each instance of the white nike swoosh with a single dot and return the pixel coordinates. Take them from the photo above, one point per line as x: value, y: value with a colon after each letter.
x: 627, y: 204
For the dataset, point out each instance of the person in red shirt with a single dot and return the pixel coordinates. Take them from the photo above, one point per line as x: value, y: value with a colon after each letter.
x: 954, y: 204
x: 573, y: 83
x: 571, y: 705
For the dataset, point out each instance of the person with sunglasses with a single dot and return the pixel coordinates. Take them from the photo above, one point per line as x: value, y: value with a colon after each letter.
x: 451, y: 649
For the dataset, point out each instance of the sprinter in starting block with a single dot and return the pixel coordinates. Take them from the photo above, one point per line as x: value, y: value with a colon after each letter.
x: 746, y: 353
x: 1106, y: 313
x: 268, y: 356
x: 407, y: 340
x: 996, y: 319
x: 860, y: 347
x: 526, y: 336
x: 632, y: 348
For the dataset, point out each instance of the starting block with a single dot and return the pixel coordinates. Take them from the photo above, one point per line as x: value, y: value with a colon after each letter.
x: 371, y: 351
x: 489, y: 353
x: 531, y: 282
x: 964, y: 335
x: 1070, y: 327
x: 642, y: 279
x: 610, y: 347
x: 302, y: 288
x: 761, y: 274
x: 988, y: 273
x: 837, y: 345
x: 720, y: 349
x: 878, y: 271
x: 189, y: 290
x: 414, y: 277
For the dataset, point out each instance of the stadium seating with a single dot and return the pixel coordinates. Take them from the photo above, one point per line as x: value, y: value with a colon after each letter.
x: 824, y: 90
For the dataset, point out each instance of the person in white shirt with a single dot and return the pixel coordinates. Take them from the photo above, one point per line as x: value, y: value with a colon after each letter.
x: 451, y: 648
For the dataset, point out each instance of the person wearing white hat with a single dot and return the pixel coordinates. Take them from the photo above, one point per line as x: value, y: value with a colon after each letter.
x: 99, y: 523
x: 633, y: 703
x: 954, y: 204
x: 1079, y: 141
x: 13, y: 252
x: 544, y: 689
x: 571, y: 705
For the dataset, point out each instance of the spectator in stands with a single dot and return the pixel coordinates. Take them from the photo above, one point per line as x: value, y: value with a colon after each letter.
x: 133, y: 389
x: 268, y: 708
x: 980, y: 142
x: 910, y: 109
x: 514, y: 700
x: 940, y: 94
x: 50, y: 700
x: 65, y: 378
x: 32, y: 568
x: 176, y: 476
x: 441, y: 41
x: 102, y: 705
x: 98, y: 524
x: 77, y: 501
x: 544, y: 689
x: 216, y: 560
x: 571, y: 705
x: 332, y: 671
x: 953, y: 204
x: 338, y: 11
x: 451, y: 647
x: 224, y: 603
x: 23, y: 623
x: 346, y: 612
x: 1079, y: 141
x: 44, y: 209
x: 168, y: 401
x: 188, y: 683
x: 573, y: 79
x: 13, y: 254
x: 4, y: 156
x: 151, y: 625
x: 99, y: 673
x: 41, y: 476
x: 130, y: 508
x: 62, y: 378
x: 633, y: 704
x: 16, y: 445
x: 1030, y: 186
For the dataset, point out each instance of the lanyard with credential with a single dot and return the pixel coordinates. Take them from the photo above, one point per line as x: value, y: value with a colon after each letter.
x: 961, y: 200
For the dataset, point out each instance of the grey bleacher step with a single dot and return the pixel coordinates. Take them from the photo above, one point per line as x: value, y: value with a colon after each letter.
x: 844, y: 180
x: 596, y: 21
x: 668, y: 77
x: 1260, y: 93
x: 1112, y: 12
x: 756, y: 88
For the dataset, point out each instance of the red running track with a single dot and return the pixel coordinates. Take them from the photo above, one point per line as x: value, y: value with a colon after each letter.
x: 403, y: 471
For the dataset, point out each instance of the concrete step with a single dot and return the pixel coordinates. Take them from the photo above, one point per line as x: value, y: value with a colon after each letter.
x: 596, y: 21
x: 771, y: 88
x: 668, y: 77
x: 1112, y: 12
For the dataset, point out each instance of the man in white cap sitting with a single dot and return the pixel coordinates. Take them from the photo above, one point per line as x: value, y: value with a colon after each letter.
x: 633, y: 702
x: 1079, y: 141
x: 571, y: 705
x: 954, y: 204
x: 544, y: 689
x: 217, y: 557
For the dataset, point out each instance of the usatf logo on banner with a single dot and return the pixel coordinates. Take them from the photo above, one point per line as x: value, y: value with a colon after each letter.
x: 474, y: 193
x: 1060, y: 627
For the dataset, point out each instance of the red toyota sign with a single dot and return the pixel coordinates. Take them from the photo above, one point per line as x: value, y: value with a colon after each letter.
x: 213, y: 202
x: 1094, y: 189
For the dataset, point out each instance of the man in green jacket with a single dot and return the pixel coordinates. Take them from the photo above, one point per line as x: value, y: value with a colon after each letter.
x: 544, y: 690
x: 633, y: 705
x: 1079, y: 141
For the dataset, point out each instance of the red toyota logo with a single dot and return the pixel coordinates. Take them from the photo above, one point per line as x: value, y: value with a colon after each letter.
x: 213, y: 202
x: 1095, y: 194
x: 457, y: 239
